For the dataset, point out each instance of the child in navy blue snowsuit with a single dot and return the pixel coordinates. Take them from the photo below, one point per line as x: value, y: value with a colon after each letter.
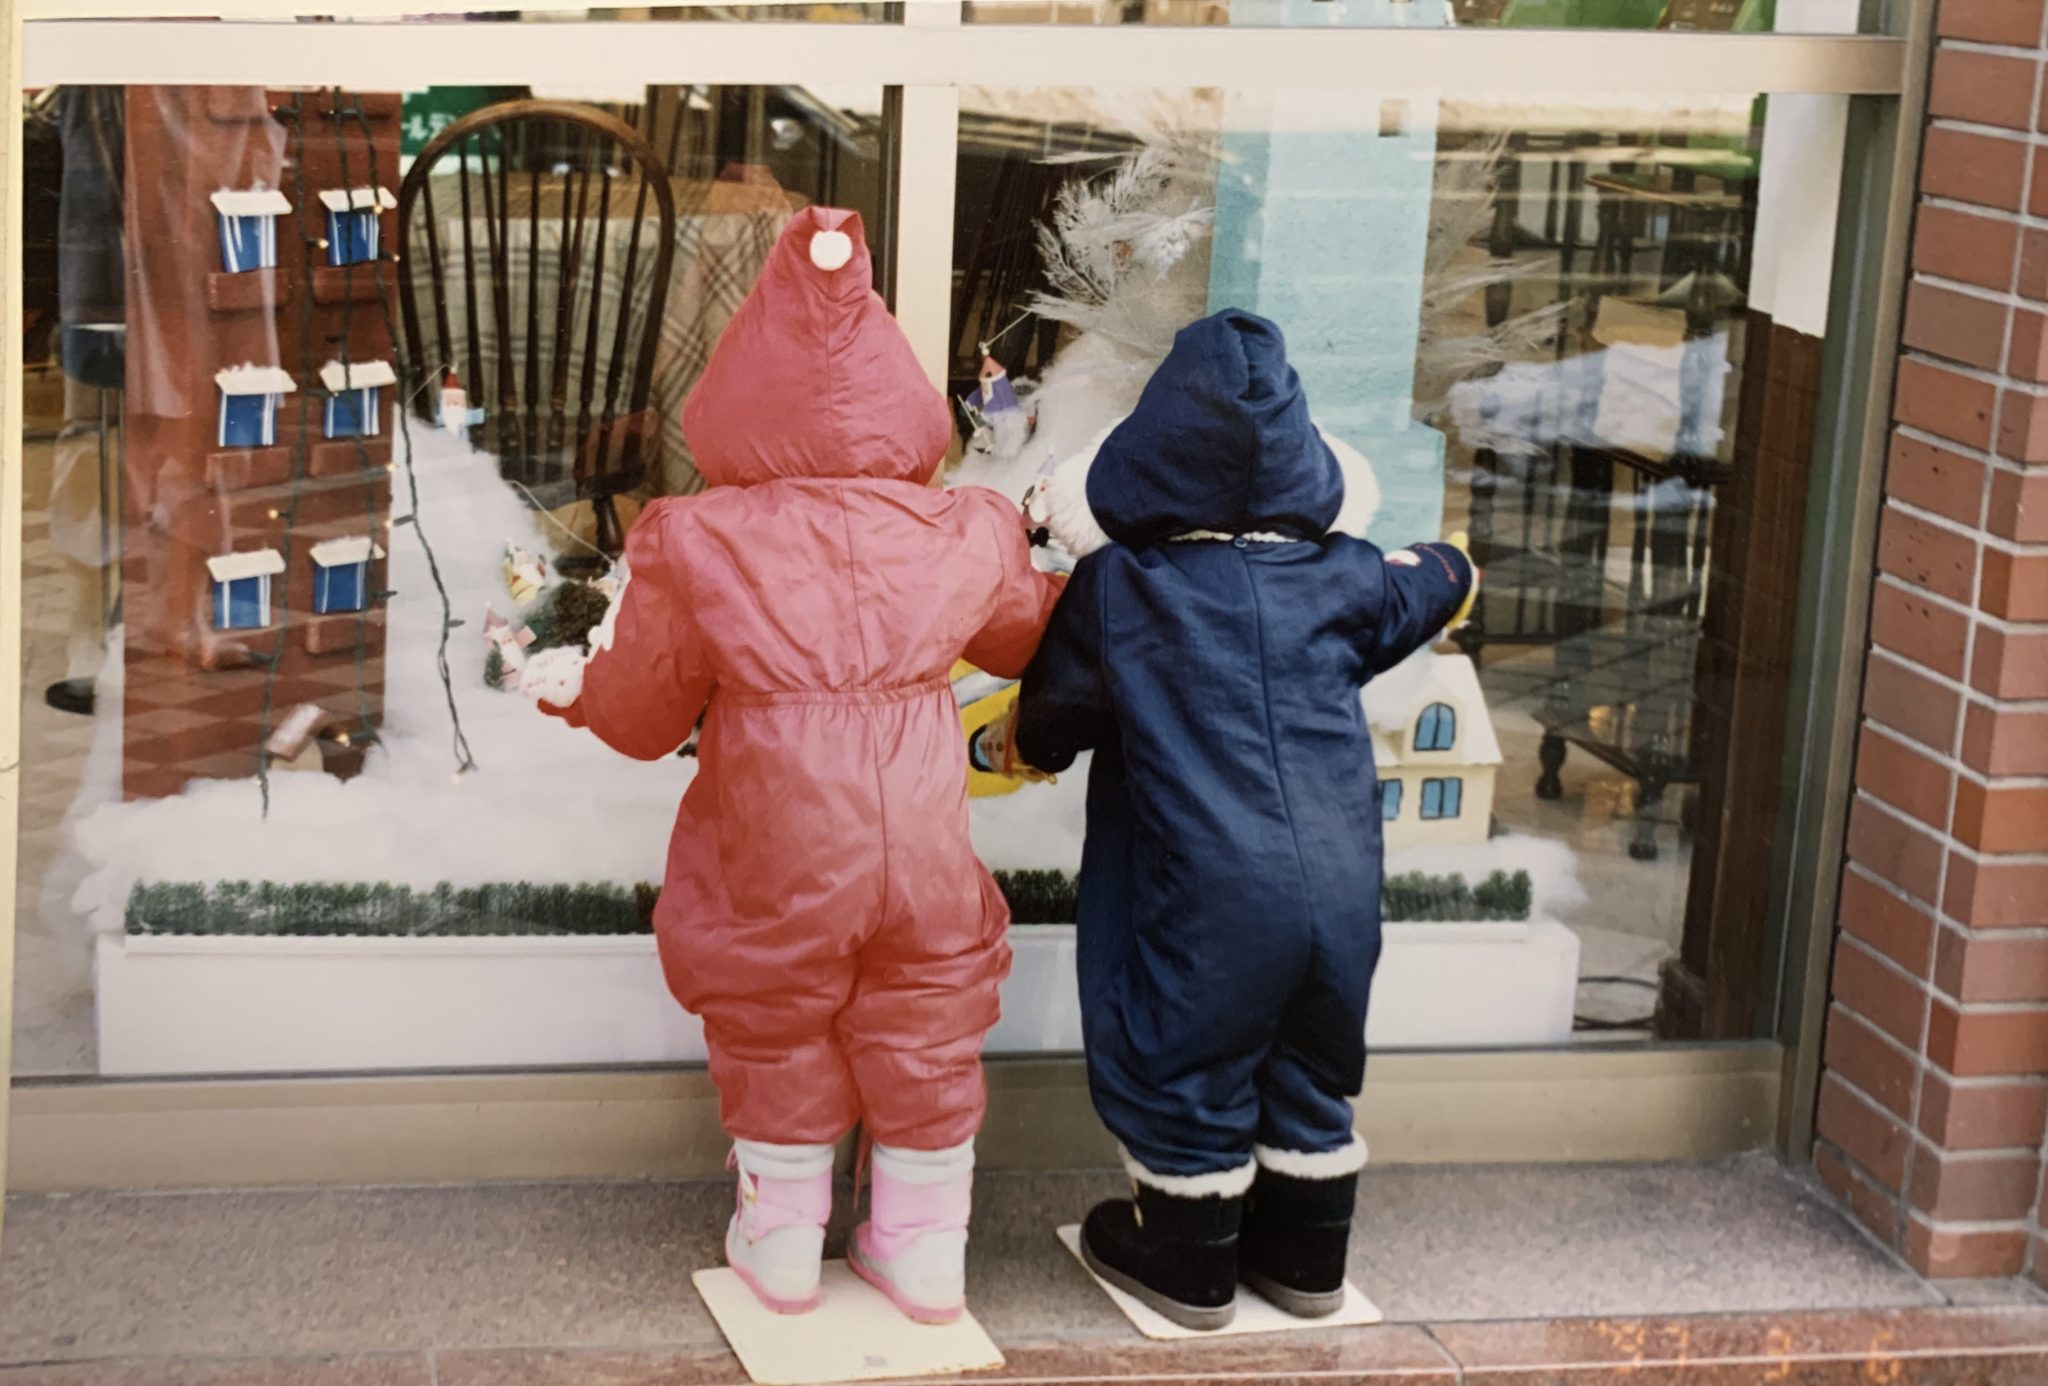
x: 1212, y: 656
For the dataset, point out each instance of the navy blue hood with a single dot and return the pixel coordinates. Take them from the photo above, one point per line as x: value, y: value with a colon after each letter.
x: 1220, y: 440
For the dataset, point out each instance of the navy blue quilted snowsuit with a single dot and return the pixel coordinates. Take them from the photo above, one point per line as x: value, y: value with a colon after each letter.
x: 1212, y: 656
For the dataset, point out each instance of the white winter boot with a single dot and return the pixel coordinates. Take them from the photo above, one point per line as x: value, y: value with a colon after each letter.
x: 913, y: 1248
x: 777, y: 1235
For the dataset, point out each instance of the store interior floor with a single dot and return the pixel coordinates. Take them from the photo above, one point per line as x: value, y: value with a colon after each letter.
x: 591, y: 1282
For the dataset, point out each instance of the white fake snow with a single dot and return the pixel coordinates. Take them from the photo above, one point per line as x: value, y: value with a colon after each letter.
x: 546, y: 802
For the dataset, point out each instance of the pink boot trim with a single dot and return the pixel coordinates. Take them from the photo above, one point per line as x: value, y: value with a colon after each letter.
x: 769, y: 1205
x: 902, y: 1212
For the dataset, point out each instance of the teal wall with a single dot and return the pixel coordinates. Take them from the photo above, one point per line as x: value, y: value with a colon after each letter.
x: 1322, y: 223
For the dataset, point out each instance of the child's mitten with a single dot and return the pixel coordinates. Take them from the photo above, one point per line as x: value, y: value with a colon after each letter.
x: 1463, y: 544
x: 993, y: 751
x: 554, y: 678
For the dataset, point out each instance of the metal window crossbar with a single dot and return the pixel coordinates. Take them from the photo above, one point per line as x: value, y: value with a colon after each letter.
x: 927, y: 54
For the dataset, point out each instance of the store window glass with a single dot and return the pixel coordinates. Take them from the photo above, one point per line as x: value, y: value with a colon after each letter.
x: 1586, y: 333
x: 338, y: 406
x: 1676, y: 16
x: 339, y: 416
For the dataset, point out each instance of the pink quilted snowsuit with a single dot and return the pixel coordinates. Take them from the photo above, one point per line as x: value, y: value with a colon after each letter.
x: 824, y: 911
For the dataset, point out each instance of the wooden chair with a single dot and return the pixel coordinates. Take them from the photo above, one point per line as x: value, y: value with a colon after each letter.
x: 527, y: 272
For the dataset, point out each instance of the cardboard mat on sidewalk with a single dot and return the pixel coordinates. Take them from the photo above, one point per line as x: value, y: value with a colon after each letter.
x: 856, y: 1334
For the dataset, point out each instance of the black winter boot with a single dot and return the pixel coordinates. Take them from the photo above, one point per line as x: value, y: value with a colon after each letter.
x: 1296, y: 1232
x: 1177, y: 1255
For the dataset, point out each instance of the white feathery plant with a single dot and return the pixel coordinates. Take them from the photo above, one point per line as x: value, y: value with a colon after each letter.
x: 1449, y: 352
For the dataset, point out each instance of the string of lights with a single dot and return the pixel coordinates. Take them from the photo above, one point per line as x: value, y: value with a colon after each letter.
x: 366, y: 715
x: 301, y: 443
x: 464, y: 760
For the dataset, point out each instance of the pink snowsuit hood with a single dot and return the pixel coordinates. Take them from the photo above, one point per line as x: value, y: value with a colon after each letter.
x: 812, y: 378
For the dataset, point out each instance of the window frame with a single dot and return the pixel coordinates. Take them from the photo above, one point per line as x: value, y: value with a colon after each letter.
x: 921, y: 65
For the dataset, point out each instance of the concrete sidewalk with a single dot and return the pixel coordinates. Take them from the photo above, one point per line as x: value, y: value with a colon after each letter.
x: 1481, y: 1270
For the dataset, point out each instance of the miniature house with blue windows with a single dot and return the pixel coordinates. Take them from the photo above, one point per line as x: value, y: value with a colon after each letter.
x: 241, y: 588
x: 249, y: 399
x: 355, y: 222
x: 248, y: 227
x: 355, y: 398
x: 1434, y: 747
x: 341, y: 573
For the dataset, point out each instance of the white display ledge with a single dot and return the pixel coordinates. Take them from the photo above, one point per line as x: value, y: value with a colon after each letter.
x: 195, y: 1005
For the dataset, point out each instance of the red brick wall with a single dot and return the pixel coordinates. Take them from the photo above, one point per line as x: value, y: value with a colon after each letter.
x: 1935, y: 1096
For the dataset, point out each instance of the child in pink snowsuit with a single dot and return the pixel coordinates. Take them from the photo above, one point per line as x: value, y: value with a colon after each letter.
x: 823, y: 910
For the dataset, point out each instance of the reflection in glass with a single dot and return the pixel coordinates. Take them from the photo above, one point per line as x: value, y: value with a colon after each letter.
x: 371, y: 449
x: 1535, y: 323
x: 360, y: 401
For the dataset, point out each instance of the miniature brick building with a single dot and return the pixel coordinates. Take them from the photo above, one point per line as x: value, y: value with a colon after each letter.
x: 234, y: 634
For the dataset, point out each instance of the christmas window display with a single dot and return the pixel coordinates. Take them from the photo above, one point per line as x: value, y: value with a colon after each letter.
x: 418, y: 572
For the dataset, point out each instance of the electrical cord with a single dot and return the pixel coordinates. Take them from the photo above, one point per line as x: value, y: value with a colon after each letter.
x: 301, y: 442
x: 1593, y: 1024
x: 464, y: 760
x: 365, y: 712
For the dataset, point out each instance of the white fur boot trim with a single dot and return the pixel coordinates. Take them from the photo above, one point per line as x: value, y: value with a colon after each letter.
x: 1320, y: 1164
x: 1225, y: 1183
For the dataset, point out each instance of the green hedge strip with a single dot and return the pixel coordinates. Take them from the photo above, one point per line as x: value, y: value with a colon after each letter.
x: 281, y: 909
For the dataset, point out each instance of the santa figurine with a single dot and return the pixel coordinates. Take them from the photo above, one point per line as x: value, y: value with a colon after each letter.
x: 454, y: 403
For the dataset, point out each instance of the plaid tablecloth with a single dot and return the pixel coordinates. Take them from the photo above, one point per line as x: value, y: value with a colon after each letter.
x: 723, y: 234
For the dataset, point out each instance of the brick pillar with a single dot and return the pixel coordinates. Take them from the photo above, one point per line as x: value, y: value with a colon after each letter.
x: 1935, y: 1095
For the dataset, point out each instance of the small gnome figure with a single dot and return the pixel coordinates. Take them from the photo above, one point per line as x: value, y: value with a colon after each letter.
x: 505, y: 650
x: 526, y: 573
